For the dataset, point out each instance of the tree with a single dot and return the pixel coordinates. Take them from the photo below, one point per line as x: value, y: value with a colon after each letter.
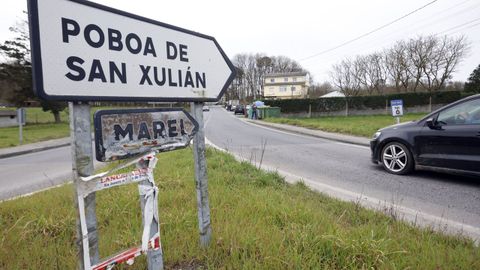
x: 317, y: 90
x: 473, y: 83
x: 17, y: 71
x: 345, y: 78
x: 397, y: 65
x: 424, y: 63
x: 444, y: 55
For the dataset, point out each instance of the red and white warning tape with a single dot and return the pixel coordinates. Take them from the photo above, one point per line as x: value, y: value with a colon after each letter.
x: 150, y: 213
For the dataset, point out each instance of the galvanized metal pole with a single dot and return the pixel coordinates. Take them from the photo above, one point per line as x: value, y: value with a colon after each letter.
x: 82, y: 166
x: 201, y: 181
x: 20, y: 125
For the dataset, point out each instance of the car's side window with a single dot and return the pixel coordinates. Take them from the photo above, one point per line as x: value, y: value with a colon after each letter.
x: 466, y: 113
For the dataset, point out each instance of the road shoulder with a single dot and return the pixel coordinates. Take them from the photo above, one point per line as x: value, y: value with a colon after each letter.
x: 311, y: 132
x: 33, y: 147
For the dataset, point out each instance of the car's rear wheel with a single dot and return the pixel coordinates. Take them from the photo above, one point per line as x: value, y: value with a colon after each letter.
x: 396, y: 158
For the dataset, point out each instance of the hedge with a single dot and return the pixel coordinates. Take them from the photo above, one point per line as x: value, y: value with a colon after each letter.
x: 363, y: 102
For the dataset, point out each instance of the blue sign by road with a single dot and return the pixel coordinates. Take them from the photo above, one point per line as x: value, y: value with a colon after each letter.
x: 396, y: 102
x: 397, y: 107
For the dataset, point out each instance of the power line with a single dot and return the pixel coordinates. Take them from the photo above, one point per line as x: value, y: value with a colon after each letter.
x: 410, y: 28
x: 368, y: 33
x: 458, y: 26
x: 437, y: 19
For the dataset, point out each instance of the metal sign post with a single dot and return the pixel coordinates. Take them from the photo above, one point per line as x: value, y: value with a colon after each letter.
x: 82, y: 166
x: 151, y: 244
x: 201, y: 181
x: 21, y: 122
x: 83, y: 51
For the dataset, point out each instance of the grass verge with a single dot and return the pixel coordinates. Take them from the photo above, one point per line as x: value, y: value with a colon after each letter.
x: 33, y: 133
x: 259, y: 222
x: 35, y: 115
x: 363, y: 126
x: 40, y: 126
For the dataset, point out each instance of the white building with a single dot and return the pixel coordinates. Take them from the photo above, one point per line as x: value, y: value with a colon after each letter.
x: 286, y: 85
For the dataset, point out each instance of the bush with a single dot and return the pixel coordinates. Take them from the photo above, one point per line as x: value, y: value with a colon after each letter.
x: 364, y: 102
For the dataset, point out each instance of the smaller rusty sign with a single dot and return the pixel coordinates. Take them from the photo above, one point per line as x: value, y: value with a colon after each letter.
x: 120, y: 134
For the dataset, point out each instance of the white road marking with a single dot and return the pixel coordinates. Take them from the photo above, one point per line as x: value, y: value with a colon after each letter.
x: 35, y: 192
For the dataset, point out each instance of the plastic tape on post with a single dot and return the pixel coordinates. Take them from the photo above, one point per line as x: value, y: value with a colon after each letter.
x: 150, y: 212
x: 150, y: 194
x: 105, y: 180
x: 128, y: 256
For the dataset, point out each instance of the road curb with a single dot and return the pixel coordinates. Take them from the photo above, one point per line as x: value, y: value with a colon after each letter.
x: 33, y: 150
x: 314, y: 133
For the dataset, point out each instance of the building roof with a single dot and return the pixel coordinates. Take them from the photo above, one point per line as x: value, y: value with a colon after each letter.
x: 285, y: 74
x: 333, y: 94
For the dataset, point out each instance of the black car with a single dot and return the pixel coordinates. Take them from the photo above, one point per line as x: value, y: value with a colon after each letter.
x: 239, y: 109
x: 446, y: 140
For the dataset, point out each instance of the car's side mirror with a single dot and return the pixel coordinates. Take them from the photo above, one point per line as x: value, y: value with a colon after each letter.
x: 432, y: 124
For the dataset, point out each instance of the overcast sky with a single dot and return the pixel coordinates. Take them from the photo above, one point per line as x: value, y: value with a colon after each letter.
x: 300, y: 29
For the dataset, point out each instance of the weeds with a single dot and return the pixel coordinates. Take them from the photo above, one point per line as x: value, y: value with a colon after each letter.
x: 355, y: 125
x: 258, y: 222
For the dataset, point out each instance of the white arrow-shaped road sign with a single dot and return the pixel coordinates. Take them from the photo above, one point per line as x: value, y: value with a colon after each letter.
x: 83, y: 51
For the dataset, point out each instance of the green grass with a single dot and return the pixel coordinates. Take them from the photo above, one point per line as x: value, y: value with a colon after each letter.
x: 36, y: 115
x: 33, y: 133
x: 40, y: 126
x: 258, y: 222
x: 363, y: 126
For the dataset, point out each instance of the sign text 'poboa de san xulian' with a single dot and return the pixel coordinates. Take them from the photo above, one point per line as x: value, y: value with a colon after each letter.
x: 135, y: 44
x: 83, y: 51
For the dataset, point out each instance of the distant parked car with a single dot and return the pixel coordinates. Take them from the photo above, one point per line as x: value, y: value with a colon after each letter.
x: 206, y: 108
x: 446, y: 140
x: 239, y: 109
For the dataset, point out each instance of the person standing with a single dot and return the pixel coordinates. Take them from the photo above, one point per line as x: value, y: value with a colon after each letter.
x: 254, y: 111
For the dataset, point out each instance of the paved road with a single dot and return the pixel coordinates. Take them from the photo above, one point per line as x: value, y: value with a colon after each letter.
x: 347, y: 167
x: 32, y: 172
x: 329, y: 165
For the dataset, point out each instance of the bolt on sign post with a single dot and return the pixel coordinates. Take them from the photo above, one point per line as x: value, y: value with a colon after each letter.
x: 82, y: 52
x: 397, y: 109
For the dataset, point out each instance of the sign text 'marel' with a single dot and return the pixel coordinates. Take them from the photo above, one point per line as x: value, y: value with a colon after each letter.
x: 121, y: 134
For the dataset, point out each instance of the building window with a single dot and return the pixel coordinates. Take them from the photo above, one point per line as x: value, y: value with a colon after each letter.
x: 283, y: 89
x: 293, y: 88
x: 285, y: 79
x: 272, y: 80
x: 294, y: 79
